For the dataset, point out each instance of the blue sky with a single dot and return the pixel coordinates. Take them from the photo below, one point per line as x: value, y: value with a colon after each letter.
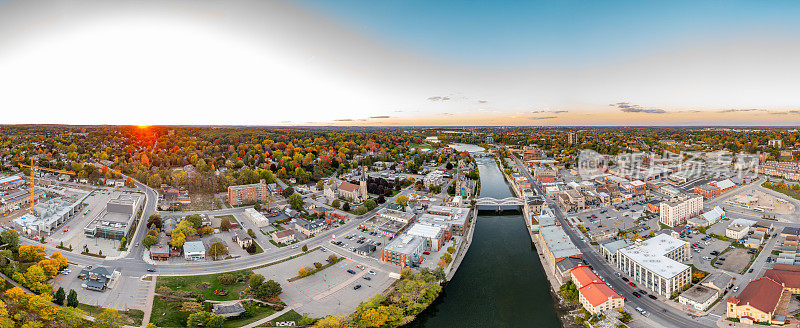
x: 505, y: 33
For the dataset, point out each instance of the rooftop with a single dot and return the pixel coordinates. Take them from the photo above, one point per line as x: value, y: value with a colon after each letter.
x: 558, y: 242
x: 405, y: 244
x: 194, y: 247
x: 598, y: 293
x: 651, y: 255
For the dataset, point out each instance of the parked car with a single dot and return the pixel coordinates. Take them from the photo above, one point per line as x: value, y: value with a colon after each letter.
x: 350, y: 271
x: 367, y: 278
x: 651, y: 296
x: 624, y: 279
x: 356, y: 287
x: 636, y: 294
x: 632, y: 284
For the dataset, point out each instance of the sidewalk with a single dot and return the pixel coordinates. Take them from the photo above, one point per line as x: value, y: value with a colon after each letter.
x: 269, y: 318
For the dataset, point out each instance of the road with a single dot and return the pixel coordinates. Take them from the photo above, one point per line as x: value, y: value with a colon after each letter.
x: 664, y: 315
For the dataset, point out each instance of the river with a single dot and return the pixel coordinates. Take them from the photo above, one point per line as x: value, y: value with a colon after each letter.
x: 500, y: 282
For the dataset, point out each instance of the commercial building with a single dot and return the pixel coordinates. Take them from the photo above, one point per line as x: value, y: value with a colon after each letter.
x: 594, y: 295
x: 95, y: 278
x: 557, y: 245
x: 676, y: 212
x: 739, y: 228
x: 433, y: 235
x: 698, y: 297
x: 530, y: 153
x: 656, y: 263
x: 247, y: 194
x: 434, y: 178
x: 388, y: 222
x: 258, y: 219
x: 283, y: 236
x: 404, y: 251
x: 48, y: 216
x: 115, y: 221
x: 455, y: 218
x: 309, y: 228
x: 11, y: 182
x: 194, y: 250
x: 609, y: 249
x: 760, y: 301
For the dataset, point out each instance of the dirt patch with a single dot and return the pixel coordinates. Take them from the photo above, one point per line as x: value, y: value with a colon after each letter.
x: 736, y: 260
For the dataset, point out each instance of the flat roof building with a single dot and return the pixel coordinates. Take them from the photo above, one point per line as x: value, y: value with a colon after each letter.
x: 404, y: 251
x: 655, y: 263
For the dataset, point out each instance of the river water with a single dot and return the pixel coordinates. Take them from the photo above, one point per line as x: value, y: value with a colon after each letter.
x: 500, y: 282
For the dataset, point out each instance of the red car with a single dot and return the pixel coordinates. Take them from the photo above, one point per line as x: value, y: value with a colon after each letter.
x: 632, y: 284
x: 426, y: 253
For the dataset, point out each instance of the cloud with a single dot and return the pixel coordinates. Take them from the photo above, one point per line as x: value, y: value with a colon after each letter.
x: 543, y: 117
x: 550, y: 111
x: 438, y: 98
x: 628, y: 108
x: 380, y: 116
x: 448, y: 114
x: 483, y: 101
x: 348, y: 120
x: 732, y: 110
x: 793, y: 112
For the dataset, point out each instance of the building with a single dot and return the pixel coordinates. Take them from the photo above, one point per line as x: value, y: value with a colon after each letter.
x: 116, y: 220
x: 434, y: 178
x: 283, y: 236
x: 160, y: 251
x: 557, y: 245
x: 11, y: 182
x: 48, y: 216
x: 530, y: 153
x: 595, y: 296
x: 258, y: 219
x: 775, y: 143
x: 194, y: 250
x: 698, y: 297
x: 309, y: 228
x: 609, y: 249
x: 489, y: 139
x: 656, y: 263
x: 247, y: 194
x: 241, y: 238
x: 786, y: 275
x: 676, y: 212
x: 572, y: 138
x: 95, y: 278
x: 433, y: 235
x: 228, y: 309
x: 404, y: 251
x: 388, y: 222
x: 759, y: 302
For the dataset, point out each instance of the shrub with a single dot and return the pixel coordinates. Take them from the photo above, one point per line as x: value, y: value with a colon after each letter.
x: 226, y: 279
x: 317, y: 265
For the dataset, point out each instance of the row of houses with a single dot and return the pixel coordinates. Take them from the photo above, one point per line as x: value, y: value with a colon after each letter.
x: 786, y: 170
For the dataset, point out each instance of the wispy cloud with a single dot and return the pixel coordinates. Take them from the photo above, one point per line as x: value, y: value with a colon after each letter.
x: 438, y: 98
x: 380, y: 116
x: 630, y: 108
x: 543, y: 117
x: 733, y: 110
x: 550, y: 111
x: 348, y: 120
x: 482, y: 101
x: 448, y: 114
x: 793, y: 112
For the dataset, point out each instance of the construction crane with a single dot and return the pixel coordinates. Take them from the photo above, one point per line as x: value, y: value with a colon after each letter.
x: 33, y: 167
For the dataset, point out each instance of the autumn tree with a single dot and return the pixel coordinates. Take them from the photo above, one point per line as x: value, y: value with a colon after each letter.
x: 109, y: 318
x: 149, y: 240
x: 225, y: 224
x: 217, y: 249
x: 31, y: 253
x: 205, y: 319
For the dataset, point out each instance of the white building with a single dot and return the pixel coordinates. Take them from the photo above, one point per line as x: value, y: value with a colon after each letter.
x: 677, y: 212
x: 655, y: 263
x: 435, y: 178
x: 739, y: 228
x: 432, y: 234
x: 194, y: 250
x: 258, y: 219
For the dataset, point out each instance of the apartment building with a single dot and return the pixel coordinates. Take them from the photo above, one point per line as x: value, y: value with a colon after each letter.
x: 247, y: 194
x: 676, y: 212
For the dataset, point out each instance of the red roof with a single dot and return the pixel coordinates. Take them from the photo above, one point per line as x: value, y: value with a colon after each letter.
x: 762, y: 294
x: 348, y: 186
x: 788, y: 278
x: 584, y: 275
x: 547, y: 179
x: 598, y: 293
x: 786, y: 267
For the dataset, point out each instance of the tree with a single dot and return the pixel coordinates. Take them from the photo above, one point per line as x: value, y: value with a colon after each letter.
x: 191, y: 307
x: 195, y: 220
x: 11, y: 238
x: 60, y: 296
x: 449, y: 166
x: 207, y: 230
x: 72, y: 298
x: 155, y: 221
x: 447, y: 258
x: 336, y: 203
x: 178, y: 239
x: 346, y: 207
x: 328, y: 322
x: 31, y: 253
x: 381, y: 199
x: 370, y: 204
x: 267, y: 290
x: 251, y: 233
x: 217, y: 249
x: 451, y: 249
x: 296, y: 201
x: 256, y: 280
x: 149, y: 240
x: 109, y: 318
x: 205, y: 319
x: 332, y: 258
x: 302, y: 272
x: 287, y: 192
x: 225, y: 224
x: 305, y: 248
x: 402, y: 200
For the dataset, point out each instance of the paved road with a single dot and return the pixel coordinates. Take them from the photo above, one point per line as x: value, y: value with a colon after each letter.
x: 664, y: 315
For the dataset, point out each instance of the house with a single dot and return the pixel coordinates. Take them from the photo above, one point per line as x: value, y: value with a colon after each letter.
x: 95, y: 278
x: 194, y: 250
x: 242, y: 238
x: 283, y: 237
x: 309, y: 228
x: 228, y: 309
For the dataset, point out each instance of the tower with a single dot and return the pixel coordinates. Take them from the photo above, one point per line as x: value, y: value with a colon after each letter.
x: 362, y: 184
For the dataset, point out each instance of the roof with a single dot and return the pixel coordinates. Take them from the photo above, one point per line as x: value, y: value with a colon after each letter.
x: 405, y: 244
x: 283, y: 233
x: 584, y: 275
x: 788, y: 278
x: 425, y: 230
x: 725, y: 184
x: 231, y: 308
x: 614, y: 246
x: 651, y: 255
x: 718, y: 280
x: 699, y: 293
x: 762, y: 294
x: 195, y: 246
x: 347, y: 186
x: 714, y: 214
x: 558, y: 242
x: 791, y: 231
x: 568, y: 264
x: 598, y: 293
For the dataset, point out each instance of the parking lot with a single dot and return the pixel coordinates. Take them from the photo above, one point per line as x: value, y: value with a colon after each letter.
x: 604, y: 223
x: 735, y: 260
x: 124, y: 292
x: 355, y: 237
x: 331, y: 291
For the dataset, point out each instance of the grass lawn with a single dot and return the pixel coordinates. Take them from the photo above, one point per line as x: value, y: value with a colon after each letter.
x: 131, y: 317
x: 192, y: 284
x: 258, y: 248
x: 167, y: 314
x: 258, y: 313
x: 291, y: 315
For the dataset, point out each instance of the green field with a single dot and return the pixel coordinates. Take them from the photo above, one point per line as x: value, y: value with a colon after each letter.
x: 131, y: 317
x: 193, y: 284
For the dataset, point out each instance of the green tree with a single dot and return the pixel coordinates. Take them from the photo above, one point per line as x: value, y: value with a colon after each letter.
x: 205, y: 320
x: 287, y: 192
x: 370, y: 204
x: 60, y: 296
x: 195, y: 219
x: 72, y: 298
x: 267, y: 290
x: 402, y: 200
x: 296, y: 201
x: 217, y: 249
x: 451, y: 249
x: 11, y: 238
x: 336, y: 203
x: 256, y: 280
x: 149, y: 240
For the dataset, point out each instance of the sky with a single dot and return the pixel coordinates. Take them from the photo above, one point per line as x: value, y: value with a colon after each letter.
x: 309, y: 62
